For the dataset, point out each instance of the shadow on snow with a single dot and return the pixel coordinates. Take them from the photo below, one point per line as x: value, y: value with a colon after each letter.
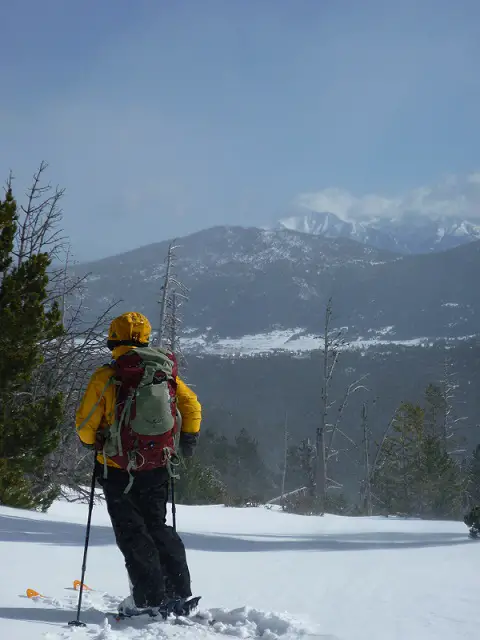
x: 20, y: 529
x: 50, y: 616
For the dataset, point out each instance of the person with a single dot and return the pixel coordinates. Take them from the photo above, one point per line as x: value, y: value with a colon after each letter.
x: 136, y: 482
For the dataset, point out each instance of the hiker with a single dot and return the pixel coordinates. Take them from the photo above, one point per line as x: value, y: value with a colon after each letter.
x: 134, y: 430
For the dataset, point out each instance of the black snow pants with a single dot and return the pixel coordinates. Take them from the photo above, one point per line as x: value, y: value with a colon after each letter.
x: 154, y: 553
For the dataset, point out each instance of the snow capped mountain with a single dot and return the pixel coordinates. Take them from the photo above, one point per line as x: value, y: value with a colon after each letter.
x: 268, y: 289
x: 319, y: 224
x: 409, y: 234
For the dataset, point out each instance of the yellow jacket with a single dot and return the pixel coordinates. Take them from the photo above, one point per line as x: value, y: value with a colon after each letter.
x: 104, y: 413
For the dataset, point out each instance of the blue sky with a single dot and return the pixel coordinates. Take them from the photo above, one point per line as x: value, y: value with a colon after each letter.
x: 162, y: 117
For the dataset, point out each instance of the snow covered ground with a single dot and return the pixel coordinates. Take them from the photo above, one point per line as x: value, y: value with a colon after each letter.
x: 296, y: 341
x: 261, y: 573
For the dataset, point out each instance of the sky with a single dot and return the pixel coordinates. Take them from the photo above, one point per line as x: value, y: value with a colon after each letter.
x: 164, y: 117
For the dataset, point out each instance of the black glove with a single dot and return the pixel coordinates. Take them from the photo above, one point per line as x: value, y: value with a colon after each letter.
x: 188, y: 442
x: 99, y: 441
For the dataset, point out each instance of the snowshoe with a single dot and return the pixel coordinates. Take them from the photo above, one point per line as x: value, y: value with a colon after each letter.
x: 179, y: 607
x: 152, y: 612
x: 187, y: 606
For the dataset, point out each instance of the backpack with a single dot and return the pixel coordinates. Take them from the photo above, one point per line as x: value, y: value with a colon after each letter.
x: 142, y: 436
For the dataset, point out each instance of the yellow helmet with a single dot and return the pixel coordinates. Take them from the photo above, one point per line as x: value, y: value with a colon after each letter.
x: 131, y: 328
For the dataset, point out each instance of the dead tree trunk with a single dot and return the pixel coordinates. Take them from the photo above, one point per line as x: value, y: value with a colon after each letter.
x: 327, y: 430
x: 320, y: 488
x: 174, y: 326
x: 366, y: 452
x: 173, y: 293
x: 164, y: 300
x: 285, y: 455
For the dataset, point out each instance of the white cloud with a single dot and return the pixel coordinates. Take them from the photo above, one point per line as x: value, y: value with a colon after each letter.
x: 452, y: 196
x: 474, y: 178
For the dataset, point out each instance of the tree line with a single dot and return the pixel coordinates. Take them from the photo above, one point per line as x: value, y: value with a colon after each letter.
x: 415, y: 470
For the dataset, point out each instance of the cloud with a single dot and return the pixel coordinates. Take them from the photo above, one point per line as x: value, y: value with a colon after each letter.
x: 452, y: 196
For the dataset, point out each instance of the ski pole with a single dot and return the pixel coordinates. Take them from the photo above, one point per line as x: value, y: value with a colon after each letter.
x: 174, y: 509
x: 77, y: 622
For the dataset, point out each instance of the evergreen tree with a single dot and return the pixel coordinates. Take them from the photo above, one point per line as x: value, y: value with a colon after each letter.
x: 473, y: 478
x: 216, y: 451
x: 200, y: 484
x: 249, y: 476
x: 301, y: 467
x: 29, y: 416
x: 300, y: 483
x: 416, y: 475
x: 440, y: 481
x: 396, y: 477
x: 436, y: 410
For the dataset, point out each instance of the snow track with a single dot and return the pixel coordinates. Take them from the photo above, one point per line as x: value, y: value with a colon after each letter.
x: 243, y: 622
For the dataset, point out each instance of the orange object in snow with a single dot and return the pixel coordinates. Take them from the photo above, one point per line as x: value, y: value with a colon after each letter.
x: 77, y: 583
x: 31, y: 593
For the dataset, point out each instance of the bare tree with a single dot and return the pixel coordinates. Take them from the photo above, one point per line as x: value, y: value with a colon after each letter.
x: 173, y: 320
x: 330, y: 353
x: 170, y: 284
x: 372, y: 463
x: 38, y: 221
x: 164, y: 299
x: 366, y: 461
x: 285, y: 454
x: 69, y: 359
x: 67, y: 367
x: 333, y: 341
x: 174, y: 295
x: 450, y: 424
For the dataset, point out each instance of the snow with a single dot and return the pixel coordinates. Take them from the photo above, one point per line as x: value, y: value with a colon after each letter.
x: 262, y: 573
x: 295, y: 341
x: 431, y: 229
x: 461, y: 230
x: 290, y: 340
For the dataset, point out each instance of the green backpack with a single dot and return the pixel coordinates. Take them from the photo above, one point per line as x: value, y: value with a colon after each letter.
x: 143, y: 434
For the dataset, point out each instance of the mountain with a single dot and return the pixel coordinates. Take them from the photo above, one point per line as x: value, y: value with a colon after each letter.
x: 408, y: 234
x: 254, y: 285
x: 241, y: 281
x: 263, y: 293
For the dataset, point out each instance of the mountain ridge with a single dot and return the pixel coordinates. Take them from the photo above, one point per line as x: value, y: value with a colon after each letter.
x: 406, y: 234
x: 246, y: 282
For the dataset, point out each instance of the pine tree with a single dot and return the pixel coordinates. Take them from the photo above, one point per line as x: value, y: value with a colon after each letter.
x: 248, y: 470
x: 396, y: 477
x: 29, y: 416
x: 417, y: 475
x: 440, y: 481
x: 436, y: 410
x: 300, y: 480
x: 200, y: 484
x: 473, y: 478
